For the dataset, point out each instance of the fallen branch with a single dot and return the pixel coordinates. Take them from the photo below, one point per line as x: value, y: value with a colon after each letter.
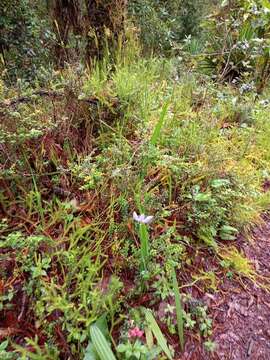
x: 41, y: 93
x: 23, y: 99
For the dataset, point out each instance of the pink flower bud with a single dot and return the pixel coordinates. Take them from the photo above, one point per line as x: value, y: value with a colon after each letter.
x: 135, y: 333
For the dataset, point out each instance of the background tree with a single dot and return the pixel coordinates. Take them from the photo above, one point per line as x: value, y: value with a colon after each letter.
x: 25, y: 38
x: 105, y: 22
x: 66, y: 15
x: 95, y: 23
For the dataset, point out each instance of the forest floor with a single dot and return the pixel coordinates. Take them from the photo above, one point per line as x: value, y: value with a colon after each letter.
x: 240, y: 309
x: 77, y: 163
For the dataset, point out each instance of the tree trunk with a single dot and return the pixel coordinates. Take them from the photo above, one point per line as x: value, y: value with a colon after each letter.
x: 66, y: 14
x: 105, y: 19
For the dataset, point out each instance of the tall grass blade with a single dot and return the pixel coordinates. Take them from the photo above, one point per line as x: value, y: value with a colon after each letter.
x: 157, y: 333
x: 155, y: 136
x: 160, y: 123
x: 179, y: 310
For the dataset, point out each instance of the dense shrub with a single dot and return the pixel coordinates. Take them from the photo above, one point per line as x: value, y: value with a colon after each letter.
x: 164, y: 23
x: 239, y: 42
x: 23, y: 39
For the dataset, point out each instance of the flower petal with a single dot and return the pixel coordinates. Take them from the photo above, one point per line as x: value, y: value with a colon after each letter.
x: 135, y: 216
x: 141, y: 218
x: 148, y: 219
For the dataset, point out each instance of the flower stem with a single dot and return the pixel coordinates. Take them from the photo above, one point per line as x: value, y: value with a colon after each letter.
x: 144, y: 238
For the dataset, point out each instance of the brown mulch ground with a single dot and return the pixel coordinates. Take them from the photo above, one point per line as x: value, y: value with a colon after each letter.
x: 240, y: 310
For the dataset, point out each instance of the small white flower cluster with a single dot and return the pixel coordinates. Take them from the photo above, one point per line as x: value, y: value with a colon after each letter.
x: 246, y: 88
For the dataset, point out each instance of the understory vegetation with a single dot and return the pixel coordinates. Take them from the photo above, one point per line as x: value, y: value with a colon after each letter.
x: 127, y: 181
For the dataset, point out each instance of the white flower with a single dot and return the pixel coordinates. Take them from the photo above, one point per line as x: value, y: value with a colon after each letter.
x: 142, y: 218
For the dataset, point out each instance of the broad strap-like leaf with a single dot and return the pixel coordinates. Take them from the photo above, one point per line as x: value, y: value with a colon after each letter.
x: 101, y: 345
x: 90, y: 353
x: 162, y: 342
x: 179, y: 310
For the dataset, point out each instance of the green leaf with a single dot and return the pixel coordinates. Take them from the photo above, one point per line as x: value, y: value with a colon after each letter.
x: 227, y: 237
x: 100, y: 344
x: 207, y: 235
x: 217, y: 183
x: 4, y: 345
x: 149, y: 338
x: 202, y: 197
x: 90, y: 353
x: 160, y: 123
x: 229, y: 229
x: 228, y: 232
x: 179, y: 310
x: 157, y: 333
x: 121, y: 348
x: 266, y: 4
x: 101, y: 323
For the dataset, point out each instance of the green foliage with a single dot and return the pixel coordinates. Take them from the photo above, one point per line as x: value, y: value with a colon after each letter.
x: 163, y: 24
x: 205, y: 323
x: 235, y: 260
x: 130, y: 351
x: 100, y: 344
x: 195, y: 316
x: 157, y: 332
x: 158, y: 128
x: 47, y: 351
x: 136, y: 338
x: 211, y: 210
x: 210, y: 346
x: 5, y: 355
x: 179, y: 310
x: 124, y: 136
x: 87, y: 173
x: 238, y: 44
x: 25, y: 38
